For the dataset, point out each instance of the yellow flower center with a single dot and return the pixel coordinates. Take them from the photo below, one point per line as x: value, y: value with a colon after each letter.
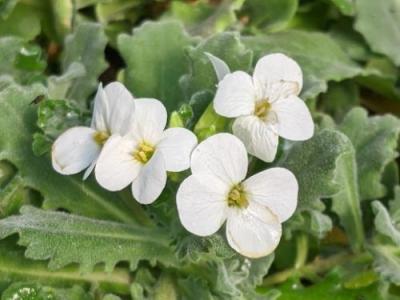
x: 143, y: 152
x: 262, y: 108
x: 237, y: 197
x: 101, y: 137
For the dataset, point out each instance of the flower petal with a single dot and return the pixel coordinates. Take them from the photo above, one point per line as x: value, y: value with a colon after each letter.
x: 220, y: 67
x: 151, y: 180
x: 275, y: 188
x: 116, y: 168
x: 222, y: 155
x: 150, y: 120
x: 253, y: 232
x: 202, y: 204
x: 176, y: 146
x: 235, y: 95
x: 74, y: 150
x: 259, y: 137
x: 121, y: 110
x: 295, y: 121
x: 89, y: 170
x: 100, y: 111
x: 114, y: 109
x: 278, y: 76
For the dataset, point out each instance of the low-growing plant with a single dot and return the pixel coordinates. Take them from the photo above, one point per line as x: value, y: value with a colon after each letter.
x: 234, y: 149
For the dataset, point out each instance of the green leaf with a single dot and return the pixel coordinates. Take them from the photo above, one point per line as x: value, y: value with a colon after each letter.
x: 226, y: 46
x: 58, y: 86
x: 384, y: 223
x: 350, y: 40
x: 56, y: 116
x: 23, y: 21
x: 41, y: 144
x: 378, y: 22
x: 30, y: 59
x: 375, y: 141
x: 14, y: 267
x: 14, y: 195
x: 329, y: 288
x: 314, y: 163
x: 111, y: 297
x: 85, y: 46
x: 205, y: 18
x: 155, y: 61
x: 64, y: 239
x: 18, y: 120
x: 346, y: 7
x: 143, y: 284
x: 320, y: 58
x: 340, y: 98
x: 382, y: 78
x: 194, y: 288
x: 9, y: 48
x: 272, y: 15
x: 312, y: 221
x: 165, y: 288
x: 346, y: 203
x: 6, y: 7
x: 200, y: 83
x: 35, y: 291
x: 395, y: 205
x: 22, y: 61
x: 118, y: 10
x: 387, y: 255
x: 387, y: 262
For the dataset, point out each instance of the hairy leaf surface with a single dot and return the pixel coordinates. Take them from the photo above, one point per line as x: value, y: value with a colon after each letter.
x: 375, y: 142
x: 378, y: 22
x: 14, y: 267
x: 65, y: 238
x: 84, y: 46
x: 155, y: 61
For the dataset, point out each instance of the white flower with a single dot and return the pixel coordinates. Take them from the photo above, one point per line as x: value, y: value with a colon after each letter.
x: 216, y: 191
x: 145, y: 154
x: 79, y: 147
x: 266, y: 105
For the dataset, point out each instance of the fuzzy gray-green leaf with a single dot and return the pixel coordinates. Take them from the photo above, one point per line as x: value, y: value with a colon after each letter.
x: 85, y: 46
x: 65, y: 239
x: 375, y: 142
x: 379, y: 23
x: 155, y: 60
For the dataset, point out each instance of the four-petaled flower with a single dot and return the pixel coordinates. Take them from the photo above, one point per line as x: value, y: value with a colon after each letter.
x: 216, y: 191
x: 127, y: 144
x: 266, y: 105
x: 79, y: 147
x: 144, y: 155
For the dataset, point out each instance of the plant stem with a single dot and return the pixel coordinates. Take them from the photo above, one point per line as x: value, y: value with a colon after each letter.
x: 318, y: 265
x: 302, y: 251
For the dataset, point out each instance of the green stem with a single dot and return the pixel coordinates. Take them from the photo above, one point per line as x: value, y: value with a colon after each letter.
x: 302, y: 251
x: 319, y: 265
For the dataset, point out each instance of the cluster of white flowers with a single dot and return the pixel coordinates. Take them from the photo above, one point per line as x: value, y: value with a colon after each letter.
x: 127, y: 144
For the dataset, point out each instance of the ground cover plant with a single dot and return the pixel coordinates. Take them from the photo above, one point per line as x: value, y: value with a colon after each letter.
x: 205, y: 149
